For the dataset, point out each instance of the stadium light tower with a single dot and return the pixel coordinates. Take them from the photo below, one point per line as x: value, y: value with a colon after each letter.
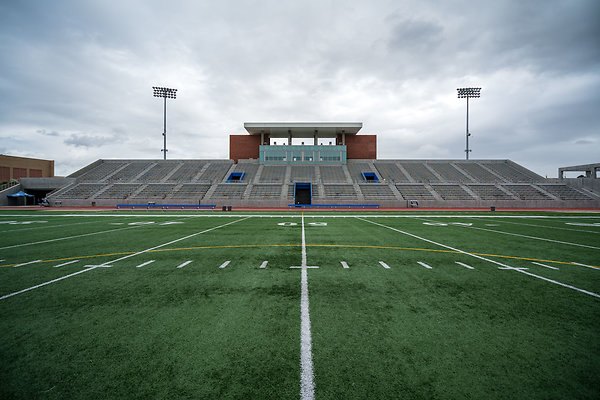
x: 165, y: 93
x: 468, y: 93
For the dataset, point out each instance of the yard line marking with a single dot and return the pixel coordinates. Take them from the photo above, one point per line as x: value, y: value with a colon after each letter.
x: 534, y: 237
x: 144, y: 264
x: 344, y: 264
x: 264, y: 264
x: 543, y: 265
x: 123, y: 258
x: 226, y: 263
x: 464, y: 265
x: 46, y: 283
x: 67, y: 237
x: 384, y: 265
x: 184, y: 264
x: 307, y: 385
x: 550, y: 227
x: 67, y: 263
x: 26, y: 263
x: 483, y: 258
x: 51, y: 226
x: 424, y: 265
x: 584, y: 265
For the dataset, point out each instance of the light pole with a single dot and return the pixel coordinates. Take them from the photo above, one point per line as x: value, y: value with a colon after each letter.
x: 165, y: 93
x: 467, y: 93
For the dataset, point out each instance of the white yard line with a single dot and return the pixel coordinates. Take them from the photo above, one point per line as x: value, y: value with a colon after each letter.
x: 307, y: 383
x: 264, y: 264
x: 464, y: 265
x: 533, y: 237
x: 384, y: 265
x: 26, y: 263
x: 68, y: 237
x: 549, y: 227
x: 49, y: 226
x: 584, y: 265
x: 226, y: 263
x: 543, y: 265
x: 46, y: 283
x: 424, y: 265
x: 67, y: 263
x: 482, y: 258
x: 122, y: 258
x: 344, y: 264
x: 144, y: 264
x: 184, y: 264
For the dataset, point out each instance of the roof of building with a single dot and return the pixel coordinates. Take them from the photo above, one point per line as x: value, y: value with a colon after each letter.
x: 302, y: 129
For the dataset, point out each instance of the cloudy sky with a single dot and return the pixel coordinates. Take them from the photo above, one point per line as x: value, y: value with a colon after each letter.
x: 76, y: 76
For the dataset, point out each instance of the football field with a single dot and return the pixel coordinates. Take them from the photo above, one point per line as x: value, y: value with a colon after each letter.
x: 291, y: 305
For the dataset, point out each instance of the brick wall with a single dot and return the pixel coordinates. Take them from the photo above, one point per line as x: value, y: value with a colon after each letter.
x: 361, y: 147
x: 243, y: 146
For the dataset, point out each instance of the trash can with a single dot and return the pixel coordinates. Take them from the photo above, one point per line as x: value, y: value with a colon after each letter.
x: 228, y: 208
x: 224, y: 208
x: 492, y: 208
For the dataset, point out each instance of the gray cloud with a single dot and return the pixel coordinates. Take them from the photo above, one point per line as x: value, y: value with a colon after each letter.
x: 82, y: 72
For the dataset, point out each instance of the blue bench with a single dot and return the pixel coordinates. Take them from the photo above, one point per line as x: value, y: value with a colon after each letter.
x: 334, y: 205
x: 167, y: 206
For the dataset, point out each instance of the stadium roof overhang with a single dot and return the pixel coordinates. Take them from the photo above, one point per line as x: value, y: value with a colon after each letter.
x: 302, y: 129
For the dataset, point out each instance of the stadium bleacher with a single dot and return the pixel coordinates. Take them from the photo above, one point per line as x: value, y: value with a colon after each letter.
x: 434, y: 183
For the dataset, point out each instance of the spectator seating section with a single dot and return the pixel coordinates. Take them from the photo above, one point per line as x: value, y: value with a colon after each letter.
x: 374, y: 192
x: 155, y: 191
x: 229, y: 191
x: 419, y: 172
x: 448, y: 172
x: 266, y: 191
x: 187, y: 172
x: 340, y: 192
x: 303, y: 173
x: 565, y: 192
x: 190, y: 190
x: 272, y: 174
x: 451, y: 192
x: 489, y: 192
x: 215, y: 172
x: 390, y: 172
x: 80, y: 191
x: 332, y: 174
x: 527, y: 192
x: 414, y: 192
x: 118, y: 191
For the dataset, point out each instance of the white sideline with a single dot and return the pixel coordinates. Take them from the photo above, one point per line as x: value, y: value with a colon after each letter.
x: 226, y: 263
x: 67, y: 263
x: 543, y: 265
x: 483, y: 258
x: 121, y: 258
x: 184, y: 264
x: 384, y: 265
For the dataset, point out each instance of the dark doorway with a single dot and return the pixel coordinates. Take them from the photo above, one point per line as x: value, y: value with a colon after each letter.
x: 302, y: 193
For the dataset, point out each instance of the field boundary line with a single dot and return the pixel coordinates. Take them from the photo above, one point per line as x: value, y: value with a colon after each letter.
x: 120, y: 259
x: 483, y: 258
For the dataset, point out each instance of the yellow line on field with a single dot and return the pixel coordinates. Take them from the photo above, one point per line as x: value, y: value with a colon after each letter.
x: 298, y: 245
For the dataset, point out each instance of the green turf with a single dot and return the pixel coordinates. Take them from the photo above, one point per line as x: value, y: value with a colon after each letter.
x: 201, y: 332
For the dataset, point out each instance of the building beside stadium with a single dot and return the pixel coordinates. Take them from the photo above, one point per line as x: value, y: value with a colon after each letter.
x: 322, y: 164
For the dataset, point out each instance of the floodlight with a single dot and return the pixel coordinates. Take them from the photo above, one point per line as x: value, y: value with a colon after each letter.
x: 466, y: 93
x: 166, y: 93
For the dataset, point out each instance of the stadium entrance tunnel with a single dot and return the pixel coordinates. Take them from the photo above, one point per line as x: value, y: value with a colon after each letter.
x: 302, y: 193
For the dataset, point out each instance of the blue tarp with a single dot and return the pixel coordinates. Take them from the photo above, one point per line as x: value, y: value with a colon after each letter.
x: 20, y: 194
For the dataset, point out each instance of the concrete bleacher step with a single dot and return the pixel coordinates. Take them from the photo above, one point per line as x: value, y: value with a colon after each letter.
x: 105, y: 179
x: 199, y: 174
x: 170, y: 174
